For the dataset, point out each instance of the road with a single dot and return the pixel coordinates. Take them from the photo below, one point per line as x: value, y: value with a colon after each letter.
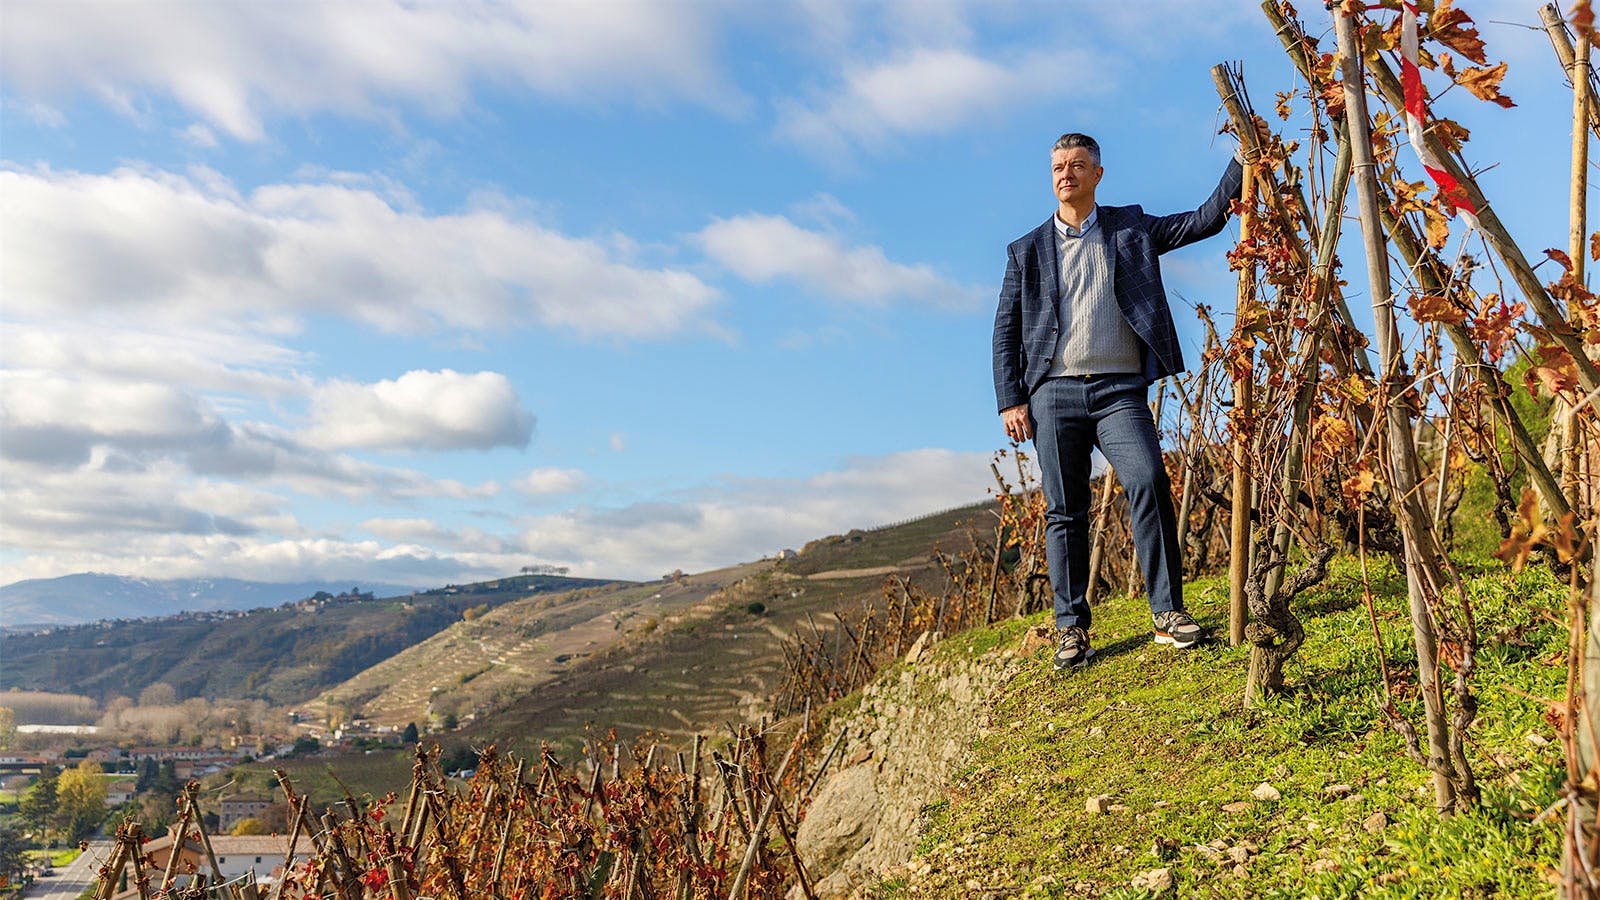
x: 70, y: 881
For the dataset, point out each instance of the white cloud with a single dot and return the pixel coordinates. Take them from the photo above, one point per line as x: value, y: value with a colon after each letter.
x: 544, y: 481
x: 158, y: 522
x: 618, y: 441
x: 764, y: 248
x: 233, y: 64
x: 155, y: 245
x: 928, y: 91
x: 420, y: 410
x: 740, y: 520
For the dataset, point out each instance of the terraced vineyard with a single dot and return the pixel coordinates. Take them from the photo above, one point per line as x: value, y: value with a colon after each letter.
x: 667, y: 657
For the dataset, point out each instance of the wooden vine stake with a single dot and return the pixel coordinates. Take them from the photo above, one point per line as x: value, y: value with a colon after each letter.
x: 1243, y: 391
x: 1422, y: 576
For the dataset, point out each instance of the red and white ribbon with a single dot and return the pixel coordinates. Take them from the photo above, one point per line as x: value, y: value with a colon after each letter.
x: 1416, y: 112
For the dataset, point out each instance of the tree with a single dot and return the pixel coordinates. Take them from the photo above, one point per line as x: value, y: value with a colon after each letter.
x: 409, y: 736
x: 148, y: 772
x: 249, y: 826
x: 80, y: 800
x: 11, y: 856
x: 8, y: 726
x: 38, y: 808
x: 158, y: 694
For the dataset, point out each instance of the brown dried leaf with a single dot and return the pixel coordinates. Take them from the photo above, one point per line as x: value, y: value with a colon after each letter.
x: 1568, y: 539
x: 1555, y: 371
x: 1527, y: 532
x: 1454, y: 29
x: 1438, y: 226
x: 1581, y: 18
x: 1434, y: 308
x: 1450, y: 132
x: 1485, y: 84
x: 1356, y: 488
x: 1594, y: 246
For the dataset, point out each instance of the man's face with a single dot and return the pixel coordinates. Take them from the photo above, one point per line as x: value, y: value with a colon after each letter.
x: 1074, y: 174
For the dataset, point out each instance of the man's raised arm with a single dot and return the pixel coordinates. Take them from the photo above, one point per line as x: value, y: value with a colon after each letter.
x: 1180, y: 229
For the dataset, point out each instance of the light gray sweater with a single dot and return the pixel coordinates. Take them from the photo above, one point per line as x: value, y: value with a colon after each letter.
x: 1095, y: 338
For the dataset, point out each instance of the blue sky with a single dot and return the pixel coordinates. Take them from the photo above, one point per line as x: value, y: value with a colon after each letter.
x: 430, y: 292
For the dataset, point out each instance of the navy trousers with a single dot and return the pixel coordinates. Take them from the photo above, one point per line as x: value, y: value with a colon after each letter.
x: 1071, y: 416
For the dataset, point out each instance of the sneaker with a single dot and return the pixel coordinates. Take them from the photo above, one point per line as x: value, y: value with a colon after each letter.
x: 1072, y: 648
x: 1177, y: 628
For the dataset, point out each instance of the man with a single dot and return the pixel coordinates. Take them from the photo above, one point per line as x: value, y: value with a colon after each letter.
x: 1082, y: 331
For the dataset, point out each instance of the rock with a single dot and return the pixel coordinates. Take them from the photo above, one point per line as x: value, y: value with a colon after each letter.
x: 1036, y: 637
x: 1537, y: 740
x: 918, y: 648
x: 1097, y: 732
x: 1266, y: 793
x: 862, y: 754
x: 1239, y: 871
x: 1099, y: 804
x: 1119, y: 808
x: 1376, y: 822
x: 1156, y: 881
x: 1322, y: 865
x: 1236, y: 807
x: 842, y: 819
x: 1239, y: 854
x: 1336, y: 790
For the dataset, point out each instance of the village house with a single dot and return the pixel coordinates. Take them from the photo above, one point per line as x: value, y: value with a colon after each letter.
x: 239, y: 807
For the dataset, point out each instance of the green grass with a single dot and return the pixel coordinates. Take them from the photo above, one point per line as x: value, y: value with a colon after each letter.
x: 1165, y: 734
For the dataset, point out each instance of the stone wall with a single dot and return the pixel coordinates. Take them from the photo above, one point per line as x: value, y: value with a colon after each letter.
x: 909, y: 734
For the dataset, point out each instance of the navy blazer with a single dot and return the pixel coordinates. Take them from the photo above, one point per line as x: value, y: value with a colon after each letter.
x: 1026, y: 324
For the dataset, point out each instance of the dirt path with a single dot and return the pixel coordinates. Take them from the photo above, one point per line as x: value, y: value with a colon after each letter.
x: 858, y: 573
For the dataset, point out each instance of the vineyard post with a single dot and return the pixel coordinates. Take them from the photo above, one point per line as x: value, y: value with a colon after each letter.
x: 190, y: 793
x: 1414, y: 255
x: 1495, y: 233
x: 1243, y: 374
x: 1186, y: 494
x: 179, y: 837
x: 1401, y: 455
x: 1572, y: 436
x: 1097, y: 551
x: 107, y: 886
x: 1588, y: 734
x: 1555, y: 27
x: 1411, y: 251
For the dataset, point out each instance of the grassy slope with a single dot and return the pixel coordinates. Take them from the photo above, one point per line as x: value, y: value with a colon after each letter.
x: 1175, y: 733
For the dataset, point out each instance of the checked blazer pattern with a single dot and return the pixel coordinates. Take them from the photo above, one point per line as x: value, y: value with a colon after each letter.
x: 1026, y: 324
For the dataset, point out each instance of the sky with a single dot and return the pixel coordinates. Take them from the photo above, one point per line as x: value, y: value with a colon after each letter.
x: 428, y: 292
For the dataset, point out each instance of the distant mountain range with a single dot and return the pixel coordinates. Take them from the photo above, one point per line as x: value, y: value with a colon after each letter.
x: 91, y: 597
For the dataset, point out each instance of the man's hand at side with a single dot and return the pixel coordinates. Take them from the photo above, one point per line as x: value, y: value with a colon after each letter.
x: 1019, y: 426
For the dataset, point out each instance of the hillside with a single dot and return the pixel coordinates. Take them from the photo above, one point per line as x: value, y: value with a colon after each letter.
x: 283, y: 654
x: 1145, y: 769
x: 93, y: 597
x: 670, y: 658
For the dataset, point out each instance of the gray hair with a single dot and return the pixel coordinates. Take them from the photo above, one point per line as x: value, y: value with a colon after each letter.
x: 1074, y: 139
